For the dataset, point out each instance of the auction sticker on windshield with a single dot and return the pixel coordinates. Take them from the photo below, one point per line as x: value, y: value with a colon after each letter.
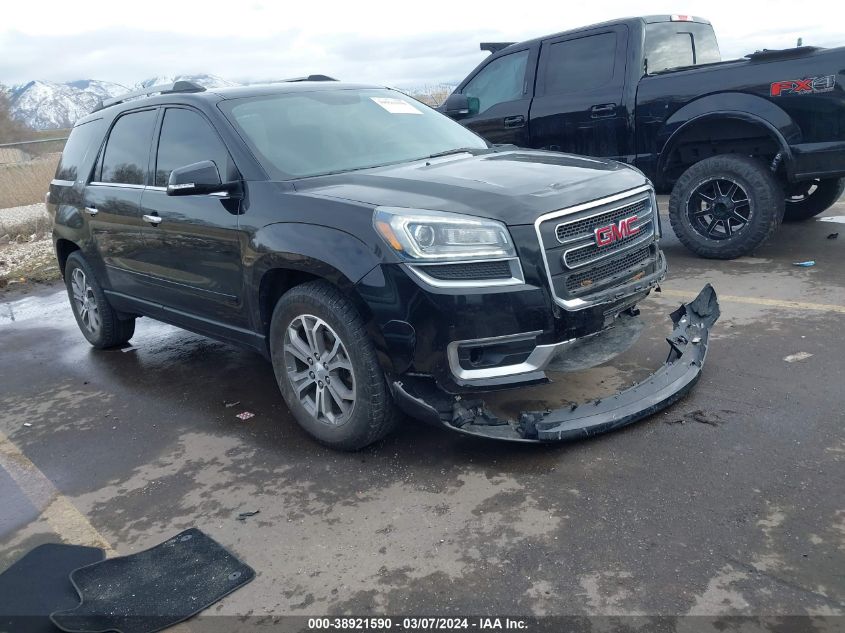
x: 395, y: 106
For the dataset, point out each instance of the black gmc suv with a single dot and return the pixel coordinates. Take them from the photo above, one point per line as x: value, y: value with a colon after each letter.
x: 378, y: 253
x: 741, y: 144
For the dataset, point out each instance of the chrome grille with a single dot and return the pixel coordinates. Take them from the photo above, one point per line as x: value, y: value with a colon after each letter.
x: 574, y: 230
x: 581, y: 272
x: 596, y: 277
x: 580, y: 236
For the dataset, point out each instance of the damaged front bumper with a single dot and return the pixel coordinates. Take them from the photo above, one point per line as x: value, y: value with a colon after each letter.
x: 680, y: 372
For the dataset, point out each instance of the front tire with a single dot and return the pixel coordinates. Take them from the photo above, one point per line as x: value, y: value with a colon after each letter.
x: 807, y: 199
x: 327, y: 369
x: 97, y: 320
x: 725, y: 206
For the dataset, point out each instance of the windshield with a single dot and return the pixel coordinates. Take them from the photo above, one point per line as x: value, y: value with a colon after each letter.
x: 300, y: 134
x: 675, y: 44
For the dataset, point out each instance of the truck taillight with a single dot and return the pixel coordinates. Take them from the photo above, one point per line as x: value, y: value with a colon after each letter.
x: 681, y: 18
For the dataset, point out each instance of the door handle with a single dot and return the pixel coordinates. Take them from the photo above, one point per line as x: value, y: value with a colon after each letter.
x: 91, y: 210
x: 603, y: 110
x: 152, y: 219
x: 514, y: 121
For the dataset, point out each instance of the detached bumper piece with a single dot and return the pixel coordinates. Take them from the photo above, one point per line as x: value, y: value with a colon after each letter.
x: 682, y: 369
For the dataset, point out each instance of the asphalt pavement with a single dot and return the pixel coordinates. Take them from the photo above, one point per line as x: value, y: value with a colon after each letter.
x: 731, y: 502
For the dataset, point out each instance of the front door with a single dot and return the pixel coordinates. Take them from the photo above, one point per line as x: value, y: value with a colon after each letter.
x: 192, y: 251
x: 112, y: 198
x: 579, y: 102
x: 503, y: 90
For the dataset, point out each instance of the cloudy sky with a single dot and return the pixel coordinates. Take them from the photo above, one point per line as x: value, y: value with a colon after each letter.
x: 401, y: 43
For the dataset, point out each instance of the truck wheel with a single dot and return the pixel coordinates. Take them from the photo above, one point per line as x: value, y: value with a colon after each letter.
x: 811, y: 197
x: 726, y: 206
x: 98, y: 321
x: 327, y: 369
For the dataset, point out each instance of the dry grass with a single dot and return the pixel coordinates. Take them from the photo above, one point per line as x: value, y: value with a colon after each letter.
x: 26, y: 183
x: 27, y: 262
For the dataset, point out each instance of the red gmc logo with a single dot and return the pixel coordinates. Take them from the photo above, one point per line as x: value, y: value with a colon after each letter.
x: 607, y: 235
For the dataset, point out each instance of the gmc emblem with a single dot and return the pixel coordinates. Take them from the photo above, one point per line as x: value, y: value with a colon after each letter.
x: 607, y: 235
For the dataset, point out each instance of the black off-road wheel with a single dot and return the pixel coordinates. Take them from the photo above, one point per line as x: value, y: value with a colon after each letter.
x: 327, y: 369
x: 807, y: 199
x: 101, y: 324
x: 726, y: 206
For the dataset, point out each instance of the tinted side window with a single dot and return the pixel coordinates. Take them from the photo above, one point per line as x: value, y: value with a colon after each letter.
x: 578, y: 65
x: 676, y: 44
x: 187, y: 138
x: 499, y: 81
x: 128, y: 149
x: 77, y: 148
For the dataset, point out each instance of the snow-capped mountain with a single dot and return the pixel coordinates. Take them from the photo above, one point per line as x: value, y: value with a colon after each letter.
x: 45, y: 105
x: 207, y: 81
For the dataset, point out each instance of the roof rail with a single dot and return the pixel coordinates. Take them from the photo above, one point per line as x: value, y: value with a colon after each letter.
x: 178, y: 86
x: 310, y: 78
x: 494, y: 47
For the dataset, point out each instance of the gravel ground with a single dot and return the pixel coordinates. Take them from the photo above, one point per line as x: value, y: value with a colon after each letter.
x: 27, y: 262
x: 26, y: 250
x: 18, y: 220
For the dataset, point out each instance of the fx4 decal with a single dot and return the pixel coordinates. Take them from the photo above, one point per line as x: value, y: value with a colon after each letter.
x: 809, y: 85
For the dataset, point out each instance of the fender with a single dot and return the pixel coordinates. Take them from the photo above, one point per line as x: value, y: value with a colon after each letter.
x: 734, y: 105
x: 331, y: 254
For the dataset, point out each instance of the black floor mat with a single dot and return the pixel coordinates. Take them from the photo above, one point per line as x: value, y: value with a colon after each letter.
x: 37, y: 585
x: 154, y: 589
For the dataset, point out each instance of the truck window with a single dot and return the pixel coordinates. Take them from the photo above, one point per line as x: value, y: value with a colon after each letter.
x: 128, y: 149
x: 82, y: 137
x: 187, y: 138
x: 676, y: 44
x: 581, y: 64
x: 500, y: 81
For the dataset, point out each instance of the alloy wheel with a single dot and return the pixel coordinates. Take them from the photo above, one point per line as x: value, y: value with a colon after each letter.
x: 85, y: 301
x: 719, y: 208
x: 319, y: 369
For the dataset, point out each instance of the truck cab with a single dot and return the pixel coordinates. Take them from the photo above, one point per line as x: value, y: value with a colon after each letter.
x: 653, y: 92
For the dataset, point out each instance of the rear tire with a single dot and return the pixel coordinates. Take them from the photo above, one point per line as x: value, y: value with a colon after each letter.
x: 811, y: 198
x: 327, y: 369
x: 725, y: 206
x: 97, y: 320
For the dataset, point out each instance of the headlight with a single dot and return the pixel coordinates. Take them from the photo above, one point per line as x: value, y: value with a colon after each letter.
x: 417, y: 234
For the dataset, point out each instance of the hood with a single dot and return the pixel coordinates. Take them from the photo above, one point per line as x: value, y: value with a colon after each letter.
x: 513, y: 187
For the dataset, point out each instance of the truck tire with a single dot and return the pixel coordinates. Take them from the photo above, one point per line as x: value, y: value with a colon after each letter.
x: 327, y: 369
x: 811, y: 197
x: 97, y: 320
x: 725, y: 206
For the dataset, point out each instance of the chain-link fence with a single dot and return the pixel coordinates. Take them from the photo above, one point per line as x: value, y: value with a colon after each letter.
x: 26, y: 169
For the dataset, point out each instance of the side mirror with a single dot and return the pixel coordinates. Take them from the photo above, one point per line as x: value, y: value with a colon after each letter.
x: 195, y: 179
x: 458, y: 106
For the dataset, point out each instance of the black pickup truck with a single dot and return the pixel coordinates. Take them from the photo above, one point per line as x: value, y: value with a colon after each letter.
x: 742, y: 145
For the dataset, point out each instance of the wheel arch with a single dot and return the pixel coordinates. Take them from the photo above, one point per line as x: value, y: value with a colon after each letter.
x: 725, y: 123
x: 64, y: 248
x: 293, y: 254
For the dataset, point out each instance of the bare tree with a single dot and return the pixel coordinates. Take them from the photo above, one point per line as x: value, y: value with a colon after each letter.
x: 10, y: 129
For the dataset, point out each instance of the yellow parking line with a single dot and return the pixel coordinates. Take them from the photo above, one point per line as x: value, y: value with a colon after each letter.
x: 760, y: 301
x: 56, y: 509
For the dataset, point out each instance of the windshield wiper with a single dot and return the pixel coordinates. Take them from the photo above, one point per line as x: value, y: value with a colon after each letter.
x: 458, y: 150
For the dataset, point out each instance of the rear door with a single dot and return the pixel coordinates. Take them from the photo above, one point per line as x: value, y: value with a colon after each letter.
x: 578, y: 105
x: 112, y: 198
x: 192, y: 252
x: 503, y: 89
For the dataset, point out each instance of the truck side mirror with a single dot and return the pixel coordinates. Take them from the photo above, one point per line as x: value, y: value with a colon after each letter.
x: 196, y: 178
x: 458, y: 106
